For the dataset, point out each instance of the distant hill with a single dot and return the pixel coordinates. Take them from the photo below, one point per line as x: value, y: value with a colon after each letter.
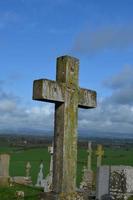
x: 81, y: 133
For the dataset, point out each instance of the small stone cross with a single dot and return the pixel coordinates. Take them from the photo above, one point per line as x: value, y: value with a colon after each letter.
x: 99, y: 153
x: 28, y: 168
x: 51, y: 151
x: 67, y: 96
x: 89, y: 155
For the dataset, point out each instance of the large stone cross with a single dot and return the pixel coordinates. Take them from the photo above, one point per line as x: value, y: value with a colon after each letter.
x: 67, y: 96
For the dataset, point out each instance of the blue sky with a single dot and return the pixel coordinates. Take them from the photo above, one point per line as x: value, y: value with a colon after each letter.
x: 100, y: 33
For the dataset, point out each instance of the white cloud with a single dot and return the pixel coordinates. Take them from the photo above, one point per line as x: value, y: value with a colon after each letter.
x: 114, y: 114
x: 121, y: 86
x: 13, y: 114
x: 123, y: 79
x: 7, y: 105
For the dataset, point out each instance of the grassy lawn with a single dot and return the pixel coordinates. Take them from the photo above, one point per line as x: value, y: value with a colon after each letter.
x: 9, y: 193
x: 19, y: 158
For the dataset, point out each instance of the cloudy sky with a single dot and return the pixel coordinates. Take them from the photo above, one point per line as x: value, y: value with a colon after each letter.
x: 100, y: 33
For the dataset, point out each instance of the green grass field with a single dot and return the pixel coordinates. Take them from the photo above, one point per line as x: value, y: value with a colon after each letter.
x: 19, y: 158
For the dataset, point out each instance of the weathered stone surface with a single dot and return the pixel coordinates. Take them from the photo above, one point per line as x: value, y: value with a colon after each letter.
x: 121, y: 183
x: 87, y: 98
x: 21, y: 180
x: 49, y: 91
x: 67, y: 96
x: 114, y: 181
x: 117, y: 185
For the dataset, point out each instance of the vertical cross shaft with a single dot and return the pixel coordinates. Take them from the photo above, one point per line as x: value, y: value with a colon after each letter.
x: 65, y: 140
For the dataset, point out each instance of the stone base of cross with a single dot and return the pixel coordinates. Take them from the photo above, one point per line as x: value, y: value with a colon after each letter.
x: 63, y: 196
x: 67, y: 96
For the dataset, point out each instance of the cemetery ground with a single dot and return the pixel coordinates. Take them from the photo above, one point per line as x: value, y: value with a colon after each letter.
x: 20, y: 156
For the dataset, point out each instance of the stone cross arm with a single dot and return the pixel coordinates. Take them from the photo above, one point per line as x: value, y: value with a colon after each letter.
x: 53, y: 91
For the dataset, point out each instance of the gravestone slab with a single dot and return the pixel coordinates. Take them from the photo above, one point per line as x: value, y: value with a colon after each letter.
x: 21, y: 180
x: 102, y: 182
x: 121, y: 182
x: 114, y: 181
x: 128, y: 171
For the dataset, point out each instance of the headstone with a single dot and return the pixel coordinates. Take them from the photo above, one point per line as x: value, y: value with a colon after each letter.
x: 118, y: 185
x: 4, y: 169
x: 99, y: 154
x: 67, y: 96
x: 121, y: 182
x: 114, y: 182
x: 129, y: 179
x: 40, y: 176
